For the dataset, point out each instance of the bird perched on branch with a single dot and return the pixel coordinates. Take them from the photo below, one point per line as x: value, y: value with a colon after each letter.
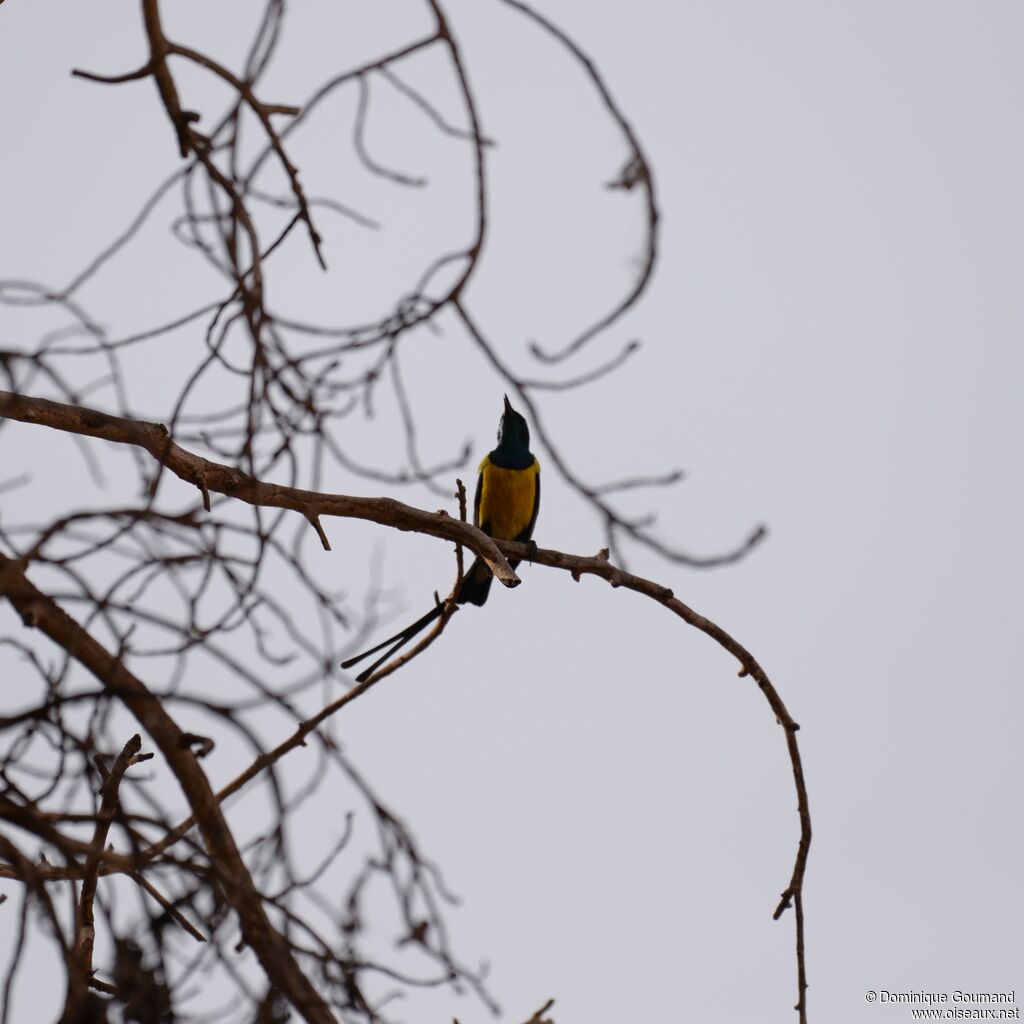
x: 505, y: 507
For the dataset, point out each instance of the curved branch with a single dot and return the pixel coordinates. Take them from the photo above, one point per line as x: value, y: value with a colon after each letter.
x: 129, y: 76
x: 636, y: 172
x: 385, y: 511
x: 599, y: 565
x: 612, y: 518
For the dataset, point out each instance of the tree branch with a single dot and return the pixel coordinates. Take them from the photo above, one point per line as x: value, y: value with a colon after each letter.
x: 85, y: 927
x: 386, y: 511
x: 216, y: 477
x: 41, y: 612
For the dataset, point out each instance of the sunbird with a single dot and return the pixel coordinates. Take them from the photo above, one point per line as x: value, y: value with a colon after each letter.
x: 505, y: 506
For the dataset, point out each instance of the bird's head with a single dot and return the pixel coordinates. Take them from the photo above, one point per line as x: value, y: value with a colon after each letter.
x: 513, y: 433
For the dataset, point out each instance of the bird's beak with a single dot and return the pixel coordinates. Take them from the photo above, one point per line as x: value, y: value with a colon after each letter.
x: 508, y: 406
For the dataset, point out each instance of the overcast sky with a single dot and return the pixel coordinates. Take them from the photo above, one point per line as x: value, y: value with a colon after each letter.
x: 831, y: 347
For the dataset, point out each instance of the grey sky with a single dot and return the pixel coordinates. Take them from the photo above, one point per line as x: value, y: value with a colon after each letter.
x: 832, y: 346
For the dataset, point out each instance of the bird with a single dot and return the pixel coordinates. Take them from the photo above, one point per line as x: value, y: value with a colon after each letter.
x: 505, y: 507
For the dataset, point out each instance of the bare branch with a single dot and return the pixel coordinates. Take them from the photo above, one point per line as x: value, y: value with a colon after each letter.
x: 153, y: 437
x: 85, y: 926
x: 40, y: 612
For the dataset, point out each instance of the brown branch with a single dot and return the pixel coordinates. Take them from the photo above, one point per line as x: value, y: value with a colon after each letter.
x: 110, y: 862
x: 613, y: 520
x: 388, y: 512
x: 273, y: 951
x: 291, y: 394
x: 328, y: 87
x: 359, y: 143
x: 77, y: 992
x: 85, y: 927
x: 263, y: 112
x: 538, y: 1017
x: 158, y: 48
x: 427, y: 107
x: 479, y: 172
x: 153, y: 437
x: 168, y: 906
x: 191, y: 141
x: 599, y: 565
x: 98, y: 860
x: 636, y: 172
x: 130, y: 76
x: 578, y: 566
x: 298, y: 738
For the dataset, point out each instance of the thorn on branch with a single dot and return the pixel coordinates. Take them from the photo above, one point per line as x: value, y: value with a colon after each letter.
x: 784, y: 904
x: 314, y: 521
x: 200, y: 482
x: 537, y: 1018
x: 632, y: 174
x: 460, y: 493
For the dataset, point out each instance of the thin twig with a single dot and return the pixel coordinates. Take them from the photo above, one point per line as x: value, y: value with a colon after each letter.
x: 85, y: 926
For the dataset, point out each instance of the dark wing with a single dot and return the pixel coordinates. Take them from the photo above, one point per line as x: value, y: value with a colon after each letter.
x: 476, y: 497
x: 526, y: 534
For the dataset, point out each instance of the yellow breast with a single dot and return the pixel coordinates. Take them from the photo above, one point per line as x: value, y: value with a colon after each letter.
x: 507, y: 498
